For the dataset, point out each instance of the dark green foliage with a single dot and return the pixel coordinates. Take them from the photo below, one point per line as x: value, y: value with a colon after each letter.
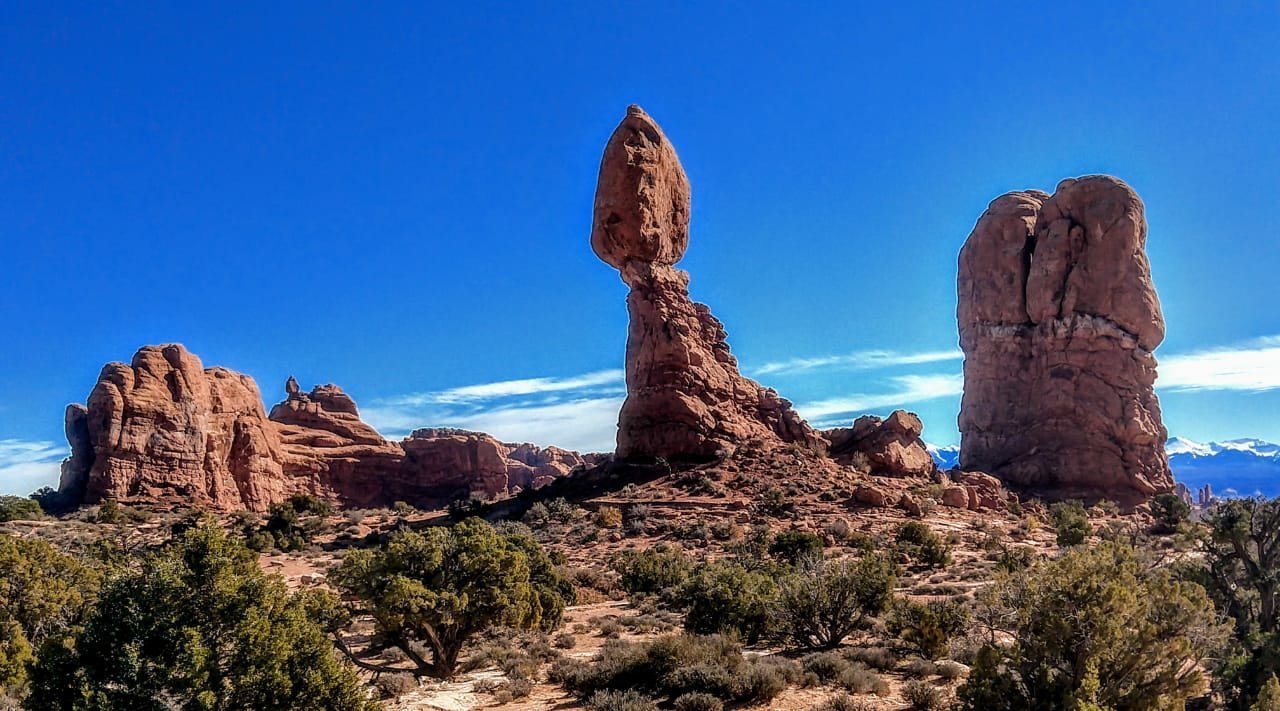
x: 927, y: 628
x: 1071, y: 522
x: 111, y: 511
x: 925, y: 548
x: 1170, y: 512
x: 1094, y: 630
x: 652, y: 571
x: 438, y: 588
x: 16, y: 508
x: 726, y: 597
x: 791, y: 547
x: 198, y: 627
x: 672, y: 666
x: 43, y: 593
x: 823, y: 602
x: 1242, y: 572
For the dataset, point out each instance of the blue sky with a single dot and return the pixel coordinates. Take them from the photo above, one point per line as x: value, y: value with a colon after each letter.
x: 398, y: 199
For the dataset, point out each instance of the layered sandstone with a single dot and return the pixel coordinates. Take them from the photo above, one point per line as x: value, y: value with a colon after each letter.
x: 1058, y: 319
x: 686, y: 399
x: 165, y: 430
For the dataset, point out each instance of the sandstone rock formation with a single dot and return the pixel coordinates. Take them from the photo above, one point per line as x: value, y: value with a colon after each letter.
x: 890, y: 447
x: 686, y: 399
x: 1058, y: 320
x: 163, y: 429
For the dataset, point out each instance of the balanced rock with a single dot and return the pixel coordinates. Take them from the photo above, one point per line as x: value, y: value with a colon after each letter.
x: 1058, y: 319
x: 686, y: 399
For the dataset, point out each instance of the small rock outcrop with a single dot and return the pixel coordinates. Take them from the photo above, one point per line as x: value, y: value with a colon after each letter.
x: 889, y: 447
x: 686, y: 399
x: 1058, y: 319
x: 165, y: 430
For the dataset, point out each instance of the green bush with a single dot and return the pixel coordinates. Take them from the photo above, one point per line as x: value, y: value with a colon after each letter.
x: 43, y: 593
x: 927, y: 628
x: 826, y: 666
x: 925, y: 548
x: 672, y: 666
x: 1094, y: 629
x: 791, y: 547
x: 726, y: 597
x: 198, y: 626
x: 825, y: 601
x: 438, y: 588
x: 653, y: 570
x: 1170, y: 512
x: 16, y: 508
x: 1071, y: 522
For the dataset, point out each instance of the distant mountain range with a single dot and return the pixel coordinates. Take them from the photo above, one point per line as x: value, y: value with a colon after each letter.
x: 1237, y: 467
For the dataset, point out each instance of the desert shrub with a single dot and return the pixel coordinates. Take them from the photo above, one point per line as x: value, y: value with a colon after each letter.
x: 1011, y: 559
x: 1093, y: 629
x: 43, y: 594
x: 16, y: 508
x: 1071, y: 522
x: 826, y: 666
x: 197, y: 626
x: 440, y: 587
x: 823, y: 602
x: 620, y: 701
x: 858, y: 679
x: 777, y: 502
x: 920, y: 668
x: 564, y: 640
x: 608, y: 517
x: 697, y: 701
x: 924, y: 547
x: 725, y: 530
x: 652, y: 570
x: 113, y: 512
x: 927, y: 628
x: 393, y: 686
x: 791, y: 547
x: 308, y: 504
x: 1268, y: 697
x: 923, y: 696
x: 1170, y: 512
x: 674, y: 665
x: 726, y: 597
x: 950, y: 670
x: 844, y: 702
x: 881, y: 658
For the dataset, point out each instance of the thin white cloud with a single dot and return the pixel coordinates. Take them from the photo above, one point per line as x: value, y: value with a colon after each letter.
x: 1251, y: 366
x: 613, y: 378
x: 586, y: 424
x: 28, y: 465
x: 908, y: 389
x: 858, y: 360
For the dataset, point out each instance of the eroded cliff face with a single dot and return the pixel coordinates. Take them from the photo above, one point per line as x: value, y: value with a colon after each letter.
x: 165, y: 430
x: 686, y: 398
x: 1058, y: 319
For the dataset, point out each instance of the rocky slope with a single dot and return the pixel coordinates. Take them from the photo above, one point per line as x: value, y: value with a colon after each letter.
x: 1058, y: 319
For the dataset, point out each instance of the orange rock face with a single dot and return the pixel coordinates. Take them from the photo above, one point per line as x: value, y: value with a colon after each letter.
x: 686, y: 399
x: 1058, y: 320
x: 890, y: 447
x: 165, y: 430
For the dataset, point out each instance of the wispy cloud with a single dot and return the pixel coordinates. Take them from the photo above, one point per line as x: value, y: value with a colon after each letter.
x: 608, y: 379
x: 1250, y: 366
x: 28, y: 465
x: 907, y: 389
x: 858, y: 360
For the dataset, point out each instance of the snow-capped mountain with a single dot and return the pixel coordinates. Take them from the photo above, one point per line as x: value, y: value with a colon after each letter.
x: 1236, y: 467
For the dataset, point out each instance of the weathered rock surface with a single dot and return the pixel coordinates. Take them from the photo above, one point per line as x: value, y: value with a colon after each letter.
x: 890, y: 446
x: 163, y: 429
x: 1058, y: 319
x: 686, y: 399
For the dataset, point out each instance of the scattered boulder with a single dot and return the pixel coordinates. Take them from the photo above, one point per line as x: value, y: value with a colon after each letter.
x: 1058, y: 320
x: 686, y: 399
x: 890, y: 447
